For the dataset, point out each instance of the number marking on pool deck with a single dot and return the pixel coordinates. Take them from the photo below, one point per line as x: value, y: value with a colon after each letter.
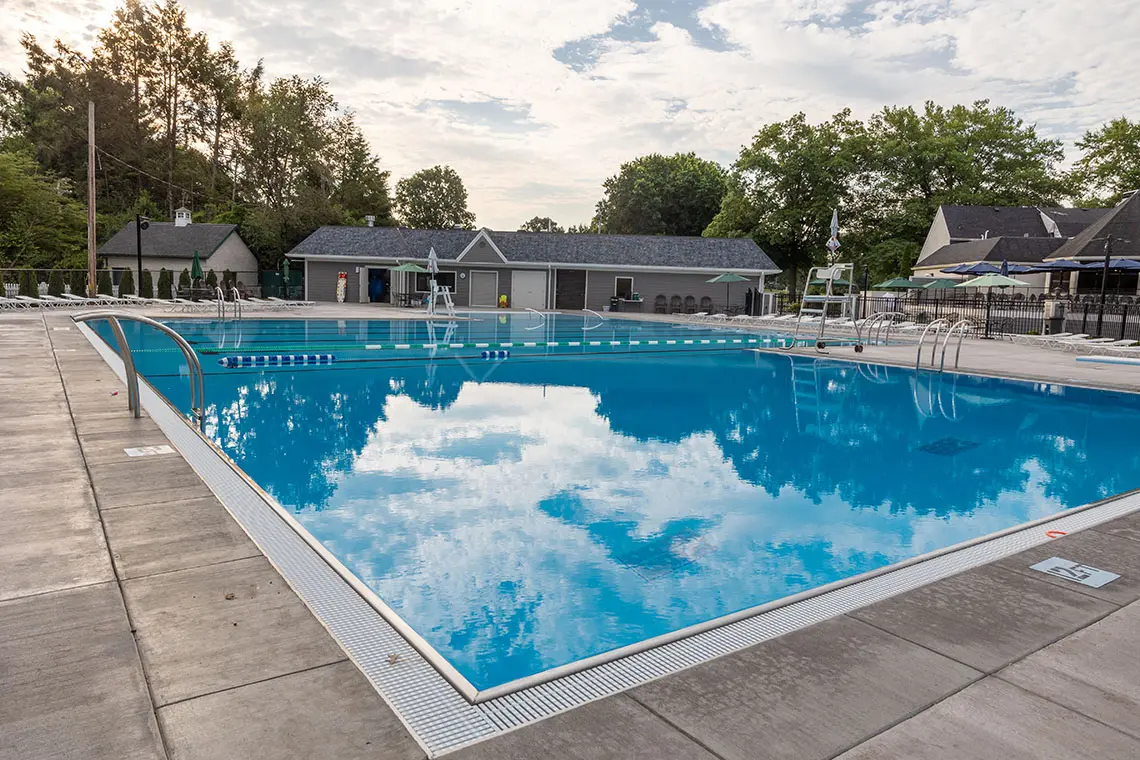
x: 148, y: 451
x: 1075, y: 571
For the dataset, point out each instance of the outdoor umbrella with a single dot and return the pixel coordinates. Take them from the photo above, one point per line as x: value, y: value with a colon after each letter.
x: 896, y: 283
x: 285, y: 278
x: 975, y: 269
x: 727, y: 278
x: 940, y: 284
x: 1061, y: 265
x: 195, y: 268
x: 410, y: 267
x: 989, y: 282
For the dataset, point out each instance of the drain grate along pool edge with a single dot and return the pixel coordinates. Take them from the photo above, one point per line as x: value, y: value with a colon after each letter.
x: 439, y: 718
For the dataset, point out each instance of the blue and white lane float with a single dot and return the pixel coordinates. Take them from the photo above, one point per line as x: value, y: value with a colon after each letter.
x: 276, y: 360
x: 495, y: 354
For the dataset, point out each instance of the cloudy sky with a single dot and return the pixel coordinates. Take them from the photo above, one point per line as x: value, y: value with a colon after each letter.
x: 534, y: 102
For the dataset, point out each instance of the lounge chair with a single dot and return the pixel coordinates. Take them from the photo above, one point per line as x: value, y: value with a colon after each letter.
x: 12, y: 304
x: 291, y: 304
x: 36, y: 302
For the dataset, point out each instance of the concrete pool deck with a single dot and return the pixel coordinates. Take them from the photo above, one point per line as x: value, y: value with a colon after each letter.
x: 138, y: 621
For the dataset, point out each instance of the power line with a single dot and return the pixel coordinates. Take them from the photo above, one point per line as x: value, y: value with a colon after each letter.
x: 147, y: 174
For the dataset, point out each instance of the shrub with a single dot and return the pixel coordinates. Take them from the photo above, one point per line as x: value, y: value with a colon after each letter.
x: 146, y: 285
x: 184, y: 283
x: 228, y: 279
x: 127, y: 283
x: 211, y: 279
x: 55, y: 283
x: 164, y: 284
x: 28, y: 284
x: 78, y: 282
x: 103, y: 284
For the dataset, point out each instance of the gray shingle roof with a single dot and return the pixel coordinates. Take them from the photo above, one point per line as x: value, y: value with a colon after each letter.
x: 165, y: 241
x: 1073, y: 221
x: 541, y: 248
x: 972, y: 222
x: 1122, y: 223
x: 1015, y: 250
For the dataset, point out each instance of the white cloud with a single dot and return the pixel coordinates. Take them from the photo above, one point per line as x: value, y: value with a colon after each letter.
x: 1058, y: 63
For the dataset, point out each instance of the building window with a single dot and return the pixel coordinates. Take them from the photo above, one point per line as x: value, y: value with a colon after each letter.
x: 623, y: 287
x: 443, y: 279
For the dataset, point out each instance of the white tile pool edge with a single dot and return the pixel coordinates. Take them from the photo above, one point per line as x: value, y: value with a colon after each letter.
x: 436, y: 714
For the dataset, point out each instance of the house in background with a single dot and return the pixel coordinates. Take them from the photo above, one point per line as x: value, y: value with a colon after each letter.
x: 171, y: 245
x: 537, y: 270
x: 1024, y: 235
x: 1120, y: 223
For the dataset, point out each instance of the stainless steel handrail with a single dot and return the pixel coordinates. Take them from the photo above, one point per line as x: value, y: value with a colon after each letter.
x: 237, y: 302
x: 877, y: 322
x: 966, y: 325
x: 197, y: 378
x: 220, y: 301
x: 937, y: 326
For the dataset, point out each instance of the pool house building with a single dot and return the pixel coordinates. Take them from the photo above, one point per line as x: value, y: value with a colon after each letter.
x: 537, y: 270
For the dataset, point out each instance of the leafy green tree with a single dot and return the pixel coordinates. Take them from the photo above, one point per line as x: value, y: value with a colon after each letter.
x: 434, y: 198
x: 590, y: 228
x: 78, y: 282
x: 28, y: 284
x: 164, y: 283
x: 127, y: 283
x: 55, y: 283
x: 1110, y: 164
x: 541, y: 224
x: 662, y: 195
x: 211, y: 279
x: 146, y: 284
x: 184, y: 283
x: 785, y: 186
x: 361, y: 187
x: 228, y: 279
x: 103, y: 284
x: 41, y: 224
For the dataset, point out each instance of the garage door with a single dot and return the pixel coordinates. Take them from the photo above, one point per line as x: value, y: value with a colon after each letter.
x: 528, y: 290
x: 484, y: 288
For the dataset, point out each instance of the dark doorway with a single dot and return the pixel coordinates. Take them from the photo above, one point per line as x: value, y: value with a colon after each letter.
x: 570, y: 289
x: 379, y: 281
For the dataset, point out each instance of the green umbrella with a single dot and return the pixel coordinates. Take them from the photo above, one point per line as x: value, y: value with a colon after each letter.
x: 939, y: 284
x: 896, y: 283
x: 196, y: 268
x: 727, y: 278
x: 409, y: 267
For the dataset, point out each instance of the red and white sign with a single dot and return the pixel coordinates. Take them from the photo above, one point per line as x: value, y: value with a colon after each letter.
x: 341, y: 286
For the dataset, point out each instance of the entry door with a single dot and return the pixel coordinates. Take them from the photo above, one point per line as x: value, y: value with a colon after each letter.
x: 528, y: 289
x: 570, y: 290
x: 484, y: 288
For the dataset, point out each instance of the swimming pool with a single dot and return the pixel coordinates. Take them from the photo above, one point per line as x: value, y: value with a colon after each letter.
x: 527, y: 513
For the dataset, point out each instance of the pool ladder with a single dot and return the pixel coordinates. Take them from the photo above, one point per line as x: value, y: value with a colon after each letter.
x: 220, y: 300
x: 961, y: 327
x: 134, y: 403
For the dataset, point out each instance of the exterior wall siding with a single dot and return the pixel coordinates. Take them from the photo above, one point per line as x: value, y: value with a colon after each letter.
x: 321, y: 280
x: 937, y: 237
x: 600, y: 288
x: 482, y: 253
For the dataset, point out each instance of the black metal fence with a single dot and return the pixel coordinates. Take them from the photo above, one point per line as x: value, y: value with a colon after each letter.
x: 1015, y: 314
x: 74, y: 281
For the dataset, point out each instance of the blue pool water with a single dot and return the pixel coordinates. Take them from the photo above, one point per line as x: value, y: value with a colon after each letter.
x: 527, y: 513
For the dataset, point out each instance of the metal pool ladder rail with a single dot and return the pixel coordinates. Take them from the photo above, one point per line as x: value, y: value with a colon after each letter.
x: 197, y: 379
x: 937, y: 325
x: 962, y: 326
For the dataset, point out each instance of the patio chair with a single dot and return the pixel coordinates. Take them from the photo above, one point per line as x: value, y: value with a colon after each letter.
x: 690, y: 305
x: 706, y: 303
x: 12, y: 304
x: 675, y: 305
x: 35, y: 302
x: 660, y: 304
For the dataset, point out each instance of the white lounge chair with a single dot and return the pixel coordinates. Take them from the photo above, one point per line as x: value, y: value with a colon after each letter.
x: 290, y: 304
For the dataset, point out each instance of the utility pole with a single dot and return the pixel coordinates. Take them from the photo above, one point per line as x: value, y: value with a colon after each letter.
x: 90, y: 198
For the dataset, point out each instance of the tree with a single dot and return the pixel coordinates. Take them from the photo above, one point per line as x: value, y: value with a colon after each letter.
x: 662, y: 195
x: 434, y: 198
x: 211, y: 279
x: 184, y: 283
x: 1110, y: 164
x: 146, y: 285
x: 228, y: 279
x: 916, y: 161
x: 41, y: 224
x: 28, y: 284
x: 361, y: 187
x: 127, y: 283
x: 785, y: 186
x: 77, y: 282
x: 103, y: 285
x: 164, y: 284
x: 55, y: 283
x: 541, y: 224
x: 126, y: 50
